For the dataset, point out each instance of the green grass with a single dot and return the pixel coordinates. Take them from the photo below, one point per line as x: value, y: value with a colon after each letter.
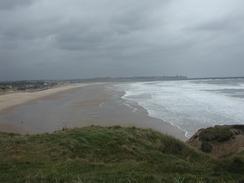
x: 109, y: 155
x: 217, y: 133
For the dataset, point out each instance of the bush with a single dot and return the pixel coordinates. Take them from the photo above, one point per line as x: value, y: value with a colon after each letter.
x: 206, y: 147
x: 219, y: 134
x: 237, y: 165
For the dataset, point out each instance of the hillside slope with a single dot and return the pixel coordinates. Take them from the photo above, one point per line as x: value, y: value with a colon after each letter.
x: 115, y: 154
x: 220, y: 141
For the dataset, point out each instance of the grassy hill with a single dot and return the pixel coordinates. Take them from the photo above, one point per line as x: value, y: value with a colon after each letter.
x: 110, y: 155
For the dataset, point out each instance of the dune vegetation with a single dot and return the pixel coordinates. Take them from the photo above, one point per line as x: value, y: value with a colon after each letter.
x: 110, y: 155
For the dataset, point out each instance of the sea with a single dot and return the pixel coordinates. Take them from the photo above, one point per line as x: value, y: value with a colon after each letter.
x: 190, y: 104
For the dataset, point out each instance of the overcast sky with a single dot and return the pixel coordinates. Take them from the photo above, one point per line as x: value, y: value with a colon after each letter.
x: 61, y: 39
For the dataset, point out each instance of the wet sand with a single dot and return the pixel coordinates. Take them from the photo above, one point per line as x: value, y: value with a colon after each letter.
x: 98, y: 104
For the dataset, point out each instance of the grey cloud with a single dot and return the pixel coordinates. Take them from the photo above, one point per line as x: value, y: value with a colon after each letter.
x: 92, y: 38
x: 80, y: 39
x: 105, y: 32
x: 229, y: 23
x: 10, y: 4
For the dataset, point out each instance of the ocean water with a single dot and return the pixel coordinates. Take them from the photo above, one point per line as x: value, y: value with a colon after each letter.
x: 190, y: 104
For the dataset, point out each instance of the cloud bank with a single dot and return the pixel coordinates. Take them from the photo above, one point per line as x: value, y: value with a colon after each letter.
x: 90, y: 38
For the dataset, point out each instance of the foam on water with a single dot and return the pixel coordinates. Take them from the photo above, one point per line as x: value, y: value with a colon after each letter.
x: 190, y: 105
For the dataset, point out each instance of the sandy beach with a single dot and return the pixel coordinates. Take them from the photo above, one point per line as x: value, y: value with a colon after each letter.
x: 75, y: 106
x: 17, y: 98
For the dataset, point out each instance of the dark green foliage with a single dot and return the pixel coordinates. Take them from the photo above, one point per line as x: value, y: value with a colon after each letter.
x: 238, y: 127
x: 218, y: 134
x: 206, y: 147
x: 234, y: 164
x: 108, y: 155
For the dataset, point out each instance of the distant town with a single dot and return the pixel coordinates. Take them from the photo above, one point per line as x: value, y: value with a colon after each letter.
x: 37, y: 85
x: 12, y: 86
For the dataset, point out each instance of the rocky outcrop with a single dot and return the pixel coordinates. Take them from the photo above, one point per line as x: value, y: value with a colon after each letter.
x: 219, y: 141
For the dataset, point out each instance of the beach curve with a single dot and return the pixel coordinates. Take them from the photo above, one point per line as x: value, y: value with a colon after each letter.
x: 17, y: 98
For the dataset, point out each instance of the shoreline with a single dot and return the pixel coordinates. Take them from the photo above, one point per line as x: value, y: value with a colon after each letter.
x: 17, y: 98
x: 123, y: 97
x: 137, y: 107
x: 101, y: 105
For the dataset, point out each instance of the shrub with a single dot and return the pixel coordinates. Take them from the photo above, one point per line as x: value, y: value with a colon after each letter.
x: 206, y: 147
x: 219, y: 134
